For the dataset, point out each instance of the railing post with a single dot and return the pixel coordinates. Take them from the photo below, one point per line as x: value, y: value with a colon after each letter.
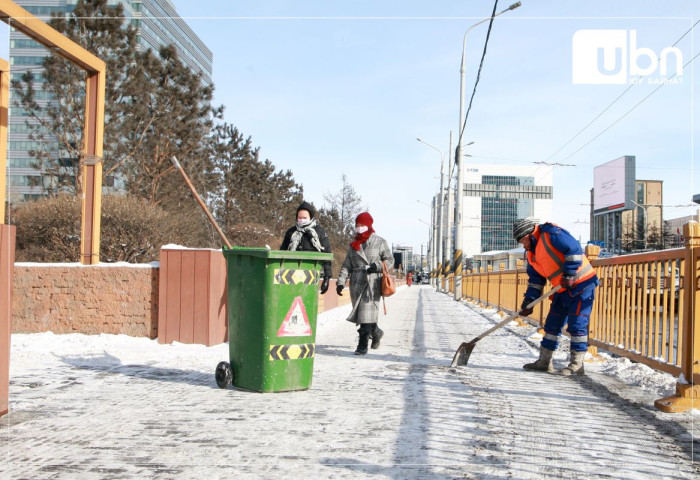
x: 687, y: 391
x: 592, y: 252
x: 519, y: 263
x: 499, y: 307
x: 489, y: 280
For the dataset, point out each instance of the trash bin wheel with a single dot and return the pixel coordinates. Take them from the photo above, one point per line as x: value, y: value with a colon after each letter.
x: 224, y: 375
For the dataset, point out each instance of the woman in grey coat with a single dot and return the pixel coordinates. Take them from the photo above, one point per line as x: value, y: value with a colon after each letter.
x: 363, y: 264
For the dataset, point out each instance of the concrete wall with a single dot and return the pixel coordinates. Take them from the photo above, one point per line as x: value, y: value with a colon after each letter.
x: 85, y: 299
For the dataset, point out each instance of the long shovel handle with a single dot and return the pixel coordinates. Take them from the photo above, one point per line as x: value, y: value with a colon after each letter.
x: 510, y: 318
x: 200, y: 201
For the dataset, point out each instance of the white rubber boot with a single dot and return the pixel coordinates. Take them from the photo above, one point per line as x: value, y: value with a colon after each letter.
x: 542, y: 364
x: 575, y: 364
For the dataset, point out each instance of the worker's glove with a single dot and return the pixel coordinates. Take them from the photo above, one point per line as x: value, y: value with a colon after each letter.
x: 567, y: 281
x: 324, y: 285
x: 339, y: 289
x: 524, y: 311
x: 372, y: 268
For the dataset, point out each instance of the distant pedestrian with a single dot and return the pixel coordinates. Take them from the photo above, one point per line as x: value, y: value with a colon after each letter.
x: 554, y: 254
x: 308, y: 236
x: 409, y: 279
x: 363, y: 265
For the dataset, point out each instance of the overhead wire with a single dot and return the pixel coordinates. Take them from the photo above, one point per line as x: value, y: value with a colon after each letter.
x: 478, y: 73
x: 627, y: 112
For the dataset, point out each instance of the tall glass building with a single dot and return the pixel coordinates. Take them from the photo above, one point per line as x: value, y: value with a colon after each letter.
x: 157, y: 24
x: 495, y: 196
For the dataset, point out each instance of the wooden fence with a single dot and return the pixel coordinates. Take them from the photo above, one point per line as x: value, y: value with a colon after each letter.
x: 644, y: 309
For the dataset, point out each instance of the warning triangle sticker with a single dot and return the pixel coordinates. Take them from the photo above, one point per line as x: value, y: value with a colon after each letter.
x: 296, y: 323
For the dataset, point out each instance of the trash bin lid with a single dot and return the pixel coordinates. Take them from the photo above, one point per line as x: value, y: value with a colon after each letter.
x: 277, y: 254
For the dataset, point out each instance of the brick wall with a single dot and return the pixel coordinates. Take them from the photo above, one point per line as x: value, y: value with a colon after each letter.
x: 72, y: 298
x: 85, y: 299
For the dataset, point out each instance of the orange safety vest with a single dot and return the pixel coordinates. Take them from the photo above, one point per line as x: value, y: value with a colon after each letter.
x: 549, y: 262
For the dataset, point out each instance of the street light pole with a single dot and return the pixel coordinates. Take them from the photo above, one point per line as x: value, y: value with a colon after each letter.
x: 432, y: 228
x: 441, y: 254
x: 449, y: 248
x: 459, y: 245
x: 645, y: 225
x: 421, y: 245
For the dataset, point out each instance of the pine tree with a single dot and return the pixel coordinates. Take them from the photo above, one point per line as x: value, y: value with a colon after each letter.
x: 254, y: 199
x: 170, y: 114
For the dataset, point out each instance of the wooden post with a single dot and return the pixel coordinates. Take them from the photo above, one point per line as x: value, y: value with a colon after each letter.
x: 7, y: 264
x: 687, y: 387
x: 4, y: 106
x: 592, y: 252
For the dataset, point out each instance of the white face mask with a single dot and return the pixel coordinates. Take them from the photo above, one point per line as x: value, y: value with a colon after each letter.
x: 361, y: 229
x: 303, y: 221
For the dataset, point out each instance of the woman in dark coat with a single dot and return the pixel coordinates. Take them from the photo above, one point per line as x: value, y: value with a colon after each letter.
x: 308, y: 236
x: 363, y: 265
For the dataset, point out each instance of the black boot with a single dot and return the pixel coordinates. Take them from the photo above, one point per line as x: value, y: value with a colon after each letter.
x: 377, y: 334
x: 364, y: 332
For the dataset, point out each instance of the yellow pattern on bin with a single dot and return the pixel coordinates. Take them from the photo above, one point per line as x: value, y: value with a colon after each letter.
x: 292, y: 352
x: 284, y: 276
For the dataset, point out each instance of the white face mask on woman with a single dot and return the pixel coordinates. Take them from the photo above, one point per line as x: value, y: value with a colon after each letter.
x: 303, y: 221
x: 361, y: 229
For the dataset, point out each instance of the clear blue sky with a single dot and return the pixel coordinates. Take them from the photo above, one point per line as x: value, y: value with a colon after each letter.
x: 326, y: 88
x: 331, y: 88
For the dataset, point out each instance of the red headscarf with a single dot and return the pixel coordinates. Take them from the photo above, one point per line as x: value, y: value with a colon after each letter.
x: 364, y: 219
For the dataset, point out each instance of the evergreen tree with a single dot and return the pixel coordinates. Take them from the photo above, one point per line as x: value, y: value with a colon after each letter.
x: 169, y: 114
x: 253, y: 198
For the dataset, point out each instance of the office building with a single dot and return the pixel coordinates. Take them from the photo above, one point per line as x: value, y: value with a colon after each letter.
x: 497, y: 195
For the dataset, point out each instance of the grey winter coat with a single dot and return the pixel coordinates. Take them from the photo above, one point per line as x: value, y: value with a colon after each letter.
x: 365, y: 289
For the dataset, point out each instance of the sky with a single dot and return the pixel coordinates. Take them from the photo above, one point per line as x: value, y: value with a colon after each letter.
x: 114, y: 406
x: 327, y: 89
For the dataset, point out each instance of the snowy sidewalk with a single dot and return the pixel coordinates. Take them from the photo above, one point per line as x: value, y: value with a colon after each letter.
x: 115, y: 407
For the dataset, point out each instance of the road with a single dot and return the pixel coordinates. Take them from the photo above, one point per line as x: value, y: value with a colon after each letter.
x: 114, y: 407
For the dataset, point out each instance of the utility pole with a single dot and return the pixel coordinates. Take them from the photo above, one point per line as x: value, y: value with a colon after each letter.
x: 460, y: 155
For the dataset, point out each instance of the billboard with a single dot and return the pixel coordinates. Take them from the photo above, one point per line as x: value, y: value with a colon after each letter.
x: 613, y: 185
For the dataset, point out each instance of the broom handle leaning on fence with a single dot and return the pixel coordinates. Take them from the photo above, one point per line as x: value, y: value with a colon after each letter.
x: 200, y: 201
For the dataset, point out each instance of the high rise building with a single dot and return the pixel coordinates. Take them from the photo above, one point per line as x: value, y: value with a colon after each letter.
x: 157, y: 24
x: 497, y: 195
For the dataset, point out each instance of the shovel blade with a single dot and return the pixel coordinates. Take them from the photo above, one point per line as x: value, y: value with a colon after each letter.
x: 462, y: 354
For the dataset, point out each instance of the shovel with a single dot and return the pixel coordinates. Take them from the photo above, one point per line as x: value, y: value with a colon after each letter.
x: 461, y: 357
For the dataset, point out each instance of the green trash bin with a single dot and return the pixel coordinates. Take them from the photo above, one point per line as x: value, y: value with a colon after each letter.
x: 272, y: 309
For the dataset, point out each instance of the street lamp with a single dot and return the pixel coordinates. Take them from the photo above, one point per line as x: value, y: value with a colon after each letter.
x: 427, y: 254
x: 431, y: 235
x: 441, y: 254
x: 645, y: 221
x: 458, y: 157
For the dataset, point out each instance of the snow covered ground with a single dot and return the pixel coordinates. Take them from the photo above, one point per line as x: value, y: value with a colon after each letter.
x: 113, y: 406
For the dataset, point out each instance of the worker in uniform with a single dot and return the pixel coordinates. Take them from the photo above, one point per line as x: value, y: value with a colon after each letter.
x: 554, y: 254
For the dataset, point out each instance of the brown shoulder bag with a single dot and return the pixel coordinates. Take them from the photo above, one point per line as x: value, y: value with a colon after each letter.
x: 388, y: 282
